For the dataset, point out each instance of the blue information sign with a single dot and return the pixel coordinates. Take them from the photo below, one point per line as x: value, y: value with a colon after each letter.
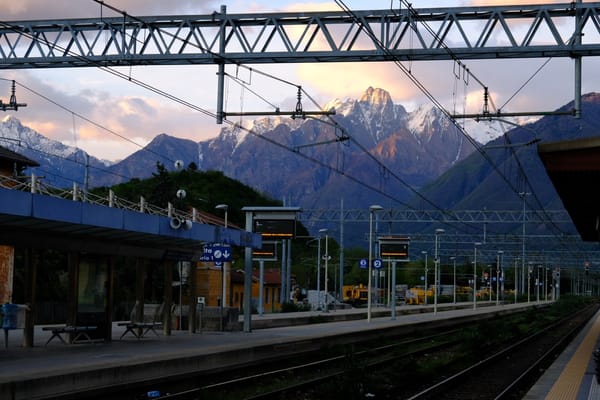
x: 217, y: 253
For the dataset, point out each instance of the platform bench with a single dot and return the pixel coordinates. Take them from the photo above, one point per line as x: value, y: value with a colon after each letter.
x: 78, y: 331
x: 144, y: 327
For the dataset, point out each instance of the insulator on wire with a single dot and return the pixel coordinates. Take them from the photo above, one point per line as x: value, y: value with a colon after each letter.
x: 12, y: 103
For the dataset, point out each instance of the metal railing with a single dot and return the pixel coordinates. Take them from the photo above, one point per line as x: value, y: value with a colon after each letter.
x: 35, y: 184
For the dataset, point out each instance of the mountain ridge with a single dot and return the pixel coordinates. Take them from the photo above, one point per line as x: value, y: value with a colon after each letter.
x: 416, y: 148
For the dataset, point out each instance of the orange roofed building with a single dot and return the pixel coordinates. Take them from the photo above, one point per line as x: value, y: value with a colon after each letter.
x: 271, y: 289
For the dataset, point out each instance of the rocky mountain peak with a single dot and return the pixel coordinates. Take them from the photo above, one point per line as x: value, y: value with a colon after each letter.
x: 11, y: 124
x: 378, y: 98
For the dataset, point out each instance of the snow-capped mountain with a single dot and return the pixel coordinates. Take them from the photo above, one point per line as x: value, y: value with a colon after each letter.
x: 60, y: 164
x: 370, y: 150
x: 389, y: 149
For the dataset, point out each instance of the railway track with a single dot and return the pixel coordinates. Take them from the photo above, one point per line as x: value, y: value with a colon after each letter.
x: 510, y: 371
x: 440, y: 365
x: 273, y: 383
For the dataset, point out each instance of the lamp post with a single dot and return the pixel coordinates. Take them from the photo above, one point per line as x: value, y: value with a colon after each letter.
x: 454, y: 280
x: 537, y: 283
x: 546, y: 284
x: 490, y: 278
x: 326, y: 257
x: 425, y: 279
x: 528, y: 283
x: 522, y: 195
x: 436, y: 279
x: 319, y: 269
x: 372, y: 210
x: 475, y: 273
x: 498, y: 266
x: 225, y: 208
x: 516, y: 279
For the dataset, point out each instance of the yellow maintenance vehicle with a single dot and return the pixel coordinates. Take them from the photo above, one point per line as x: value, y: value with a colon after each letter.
x: 355, y: 294
x: 416, y: 295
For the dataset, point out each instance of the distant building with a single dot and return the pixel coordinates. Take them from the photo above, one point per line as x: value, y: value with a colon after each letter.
x: 271, y: 289
x: 12, y: 165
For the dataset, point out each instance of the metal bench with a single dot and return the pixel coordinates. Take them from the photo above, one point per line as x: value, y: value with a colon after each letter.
x: 144, y: 327
x: 148, y: 323
x: 77, y: 331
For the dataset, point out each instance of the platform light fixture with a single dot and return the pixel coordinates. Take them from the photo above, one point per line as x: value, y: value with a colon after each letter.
x: 475, y: 273
x: 436, y: 267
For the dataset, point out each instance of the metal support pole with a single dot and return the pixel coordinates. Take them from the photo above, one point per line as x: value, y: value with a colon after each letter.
x: 425, y: 279
x: 372, y: 210
x: 454, y: 280
x: 326, y: 271
x: 393, y: 304
x: 498, y: 278
x: 288, y: 286
x: 436, y: 283
x: 577, y: 37
x: 341, y: 288
x: 248, y: 278
x: 319, y: 272
x: 261, y: 275
x: 370, y: 266
x: 221, y: 72
x: 475, y: 274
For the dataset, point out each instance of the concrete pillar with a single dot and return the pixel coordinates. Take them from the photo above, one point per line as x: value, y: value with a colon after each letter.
x: 31, y: 265
x: 168, y: 296
x: 192, y: 298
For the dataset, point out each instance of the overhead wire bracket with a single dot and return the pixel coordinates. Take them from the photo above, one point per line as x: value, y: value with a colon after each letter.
x: 12, y: 104
x: 297, y: 113
x: 487, y: 115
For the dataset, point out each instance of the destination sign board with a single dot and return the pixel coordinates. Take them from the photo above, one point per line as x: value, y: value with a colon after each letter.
x: 275, y: 228
x: 393, y: 247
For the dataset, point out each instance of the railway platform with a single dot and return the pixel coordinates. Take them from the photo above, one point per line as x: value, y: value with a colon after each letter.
x: 572, y: 376
x: 64, y: 370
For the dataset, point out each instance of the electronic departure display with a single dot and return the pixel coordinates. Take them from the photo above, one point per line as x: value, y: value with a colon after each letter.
x: 393, y: 247
x: 275, y: 228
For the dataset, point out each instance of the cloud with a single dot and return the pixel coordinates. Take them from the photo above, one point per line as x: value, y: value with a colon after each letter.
x: 92, y: 116
x: 61, y: 9
x: 138, y: 115
x: 339, y: 80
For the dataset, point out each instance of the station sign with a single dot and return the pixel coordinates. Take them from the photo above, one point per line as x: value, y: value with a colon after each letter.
x: 217, y: 253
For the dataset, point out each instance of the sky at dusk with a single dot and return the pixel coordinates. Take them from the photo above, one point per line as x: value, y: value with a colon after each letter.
x: 57, y: 97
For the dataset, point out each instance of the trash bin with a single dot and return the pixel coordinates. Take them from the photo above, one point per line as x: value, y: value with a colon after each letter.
x: 9, y: 319
x: 9, y: 316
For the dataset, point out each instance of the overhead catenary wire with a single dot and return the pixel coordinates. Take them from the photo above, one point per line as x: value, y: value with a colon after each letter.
x: 434, y: 100
x: 306, y: 94
x: 171, y: 97
x: 162, y: 93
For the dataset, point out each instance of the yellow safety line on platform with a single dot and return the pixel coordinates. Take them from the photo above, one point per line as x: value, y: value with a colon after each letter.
x: 568, y: 383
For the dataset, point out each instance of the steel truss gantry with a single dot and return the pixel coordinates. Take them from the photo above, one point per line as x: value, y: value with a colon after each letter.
x: 566, y: 249
x: 519, y: 31
x: 437, y: 216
